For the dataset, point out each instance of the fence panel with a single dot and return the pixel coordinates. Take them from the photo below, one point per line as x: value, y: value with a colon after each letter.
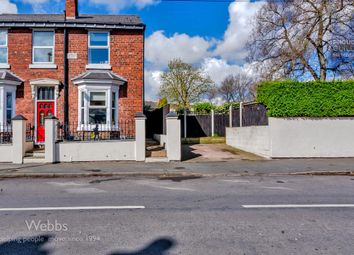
x: 235, y: 117
x: 221, y: 121
x: 197, y: 125
x: 5, y: 134
x: 254, y: 114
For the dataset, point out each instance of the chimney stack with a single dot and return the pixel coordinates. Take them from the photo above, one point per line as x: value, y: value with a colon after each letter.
x: 72, y: 9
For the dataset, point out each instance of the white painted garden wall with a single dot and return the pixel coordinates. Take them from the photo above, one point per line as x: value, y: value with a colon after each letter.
x: 6, y: 153
x: 95, y: 151
x: 255, y: 139
x: 297, y: 138
x: 162, y: 139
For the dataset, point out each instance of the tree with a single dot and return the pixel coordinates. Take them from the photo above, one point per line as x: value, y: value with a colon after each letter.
x: 303, y: 38
x: 183, y: 84
x: 237, y: 88
x: 162, y: 103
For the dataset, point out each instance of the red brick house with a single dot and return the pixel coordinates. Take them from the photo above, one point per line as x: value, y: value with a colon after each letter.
x: 83, y: 69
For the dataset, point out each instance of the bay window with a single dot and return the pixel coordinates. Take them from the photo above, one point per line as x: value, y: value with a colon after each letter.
x: 3, y: 47
x: 98, y: 48
x: 8, y: 104
x: 43, y: 47
x: 98, y: 107
x: 9, y: 107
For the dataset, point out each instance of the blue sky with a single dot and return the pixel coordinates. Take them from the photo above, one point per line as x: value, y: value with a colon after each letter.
x: 210, y: 35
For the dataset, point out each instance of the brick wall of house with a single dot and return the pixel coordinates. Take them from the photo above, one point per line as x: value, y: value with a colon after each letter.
x: 126, y: 60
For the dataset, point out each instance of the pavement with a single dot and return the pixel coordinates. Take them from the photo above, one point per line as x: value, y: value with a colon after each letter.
x: 194, y: 216
x: 198, y: 160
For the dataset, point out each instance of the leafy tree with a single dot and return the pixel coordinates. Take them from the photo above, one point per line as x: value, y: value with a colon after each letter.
x: 162, y: 103
x: 304, y: 38
x: 203, y: 107
x: 183, y: 84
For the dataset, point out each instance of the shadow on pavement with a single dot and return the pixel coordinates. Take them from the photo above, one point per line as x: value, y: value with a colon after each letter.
x: 158, y: 247
x: 25, y: 246
x: 188, y: 152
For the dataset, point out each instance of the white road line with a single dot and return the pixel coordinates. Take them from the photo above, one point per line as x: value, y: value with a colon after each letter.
x: 78, y: 208
x: 277, y: 188
x: 236, y: 181
x: 298, y: 206
x: 172, y: 188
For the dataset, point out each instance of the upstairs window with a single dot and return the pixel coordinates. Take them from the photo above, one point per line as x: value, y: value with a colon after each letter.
x: 3, y: 47
x: 43, y: 47
x: 98, y: 48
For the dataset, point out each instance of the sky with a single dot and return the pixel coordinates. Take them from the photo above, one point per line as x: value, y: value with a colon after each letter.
x: 209, y: 35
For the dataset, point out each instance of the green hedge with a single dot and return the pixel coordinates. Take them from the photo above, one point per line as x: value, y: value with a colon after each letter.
x: 307, y: 99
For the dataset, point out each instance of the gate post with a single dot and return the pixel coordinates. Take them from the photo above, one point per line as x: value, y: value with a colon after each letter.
x: 185, y: 123
x: 173, y: 144
x: 18, y: 139
x: 230, y: 116
x: 241, y: 114
x: 50, y: 139
x: 140, y: 137
x: 212, y: 123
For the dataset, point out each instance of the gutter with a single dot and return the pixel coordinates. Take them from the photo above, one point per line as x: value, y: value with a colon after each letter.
x: 70, y: 25
x: 66, y: 79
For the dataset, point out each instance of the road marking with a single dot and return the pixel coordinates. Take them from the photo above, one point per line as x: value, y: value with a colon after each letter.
x: 64, y: 184
x: 153, y: 185
x: 172, y: 188
x: 77, y: 208
x: 236, y: 181
x: 85, y: 191
x: 277, y: 188
x: 298, y: 206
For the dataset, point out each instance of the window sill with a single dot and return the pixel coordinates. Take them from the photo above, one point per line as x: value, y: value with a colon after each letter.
x: 99, y: 66
x: 5, y: 66
x: 43, y: 66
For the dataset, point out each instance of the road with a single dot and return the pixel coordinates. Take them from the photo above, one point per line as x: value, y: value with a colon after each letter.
x: 161, y: 217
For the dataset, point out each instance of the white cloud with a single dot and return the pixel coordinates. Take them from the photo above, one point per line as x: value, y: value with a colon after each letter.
x: 219, y: 69
x: 117, y: 5
x: 160, y: 49
x: 232, y: 47
x: 152, y: 85
x: 7, y: 7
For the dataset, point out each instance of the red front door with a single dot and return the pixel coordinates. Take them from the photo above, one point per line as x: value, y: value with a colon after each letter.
x: 44, y: 109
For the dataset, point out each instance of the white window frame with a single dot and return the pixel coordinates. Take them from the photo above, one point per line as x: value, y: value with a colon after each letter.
x: 99, y: 47
x: 6, y: 46
x: 43, y: 47
x: 84, y: 124
x: 3, y: 107
x: 101, y: 107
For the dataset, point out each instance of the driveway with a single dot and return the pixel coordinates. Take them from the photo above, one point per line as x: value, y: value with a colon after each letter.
x: 214, y: 153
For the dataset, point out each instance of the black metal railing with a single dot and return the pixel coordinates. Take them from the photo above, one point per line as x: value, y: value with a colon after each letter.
x: 30, y: 132
x: 5, y: 134
x: 125, y: 130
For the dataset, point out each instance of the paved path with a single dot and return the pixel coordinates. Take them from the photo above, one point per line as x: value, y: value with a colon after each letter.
x: 199, y: 216
x: 222, y: 167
